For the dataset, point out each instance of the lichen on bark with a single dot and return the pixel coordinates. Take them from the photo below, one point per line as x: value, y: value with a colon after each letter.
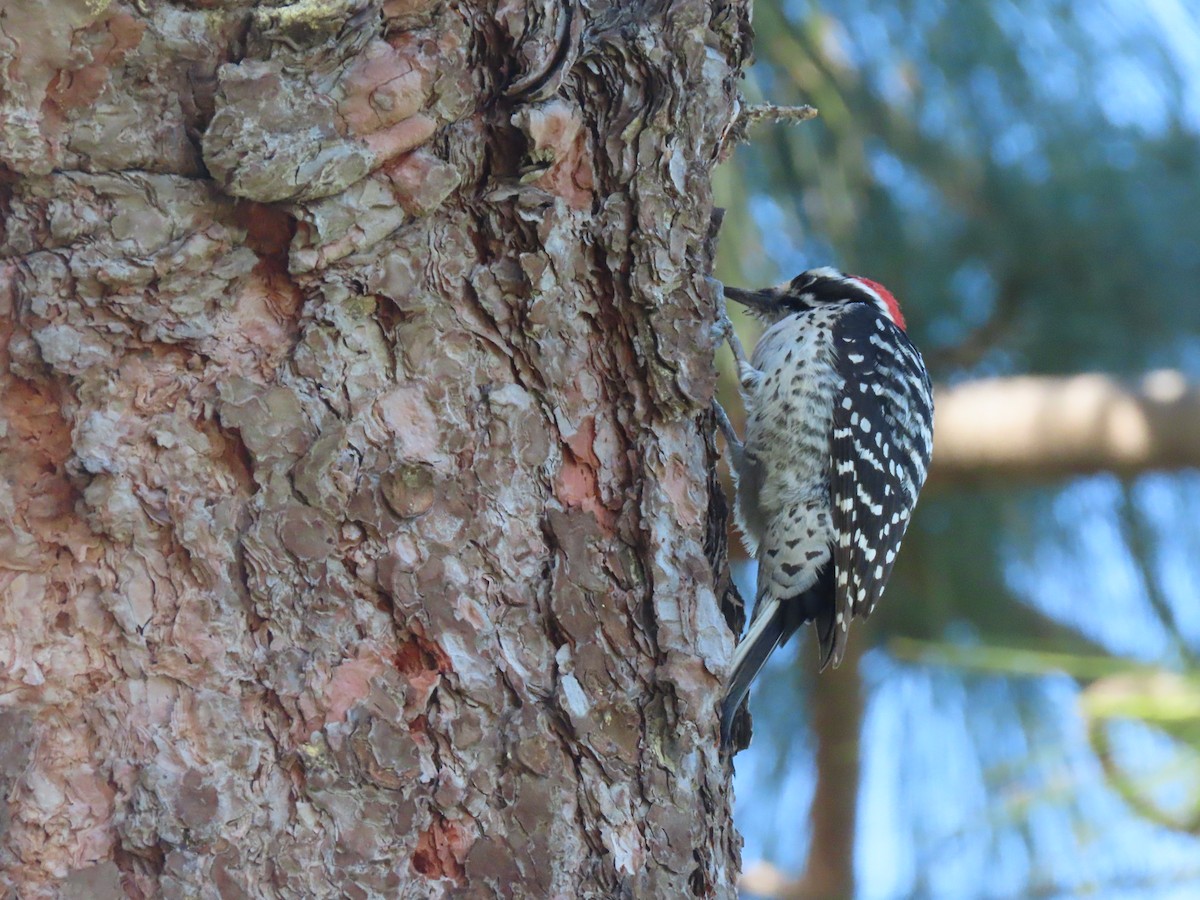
x: 355, y: 362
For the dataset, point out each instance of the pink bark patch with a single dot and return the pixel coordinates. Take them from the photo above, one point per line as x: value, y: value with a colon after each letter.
x: 579, y: 486
x: 406, y: 413
x: 419, y: 181
x: 264, y: 323
x: 383, y: 95
x: 382, y: 88
x: 581, y: 442
x: 421, y: 662
x: 73, y: 89
x: 557, y: 129
x: 572, y: 179
x: 578, y: 480
x: 419, y: 654
x: 393, y: 9
x: 401, y: 137
x: 554, y: 127
x: 351, y: 682
x: 680, y: 485
x: 442, y: 849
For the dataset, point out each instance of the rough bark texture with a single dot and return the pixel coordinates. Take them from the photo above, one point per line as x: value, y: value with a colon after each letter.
x: 1041, y: 428
x: 358, y: 534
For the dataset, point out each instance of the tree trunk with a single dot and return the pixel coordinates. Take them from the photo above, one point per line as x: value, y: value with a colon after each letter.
x: 360, y: 535
x: 837, y: 717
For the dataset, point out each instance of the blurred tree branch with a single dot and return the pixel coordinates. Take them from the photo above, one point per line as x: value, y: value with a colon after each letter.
x: 1040, y: 428
x: 1140, y: 539
x: 1165, y: 701
x: 1034, y: 662
x: 1119, y: 690
x: 771, y: 112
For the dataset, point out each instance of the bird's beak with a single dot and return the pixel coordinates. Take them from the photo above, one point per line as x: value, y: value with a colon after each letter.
x: 763, y: 302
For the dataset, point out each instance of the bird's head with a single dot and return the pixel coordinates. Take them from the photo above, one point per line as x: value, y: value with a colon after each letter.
x: 814, y: 288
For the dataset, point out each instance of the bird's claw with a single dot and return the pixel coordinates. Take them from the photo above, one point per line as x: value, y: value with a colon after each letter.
x: 721, y: 330
x: 722, y: 327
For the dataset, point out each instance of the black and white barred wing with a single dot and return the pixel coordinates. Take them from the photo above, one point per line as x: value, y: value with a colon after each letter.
x: 881, y: 444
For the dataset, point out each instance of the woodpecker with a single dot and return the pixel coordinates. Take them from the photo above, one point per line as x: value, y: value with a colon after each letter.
x: 839, y: 418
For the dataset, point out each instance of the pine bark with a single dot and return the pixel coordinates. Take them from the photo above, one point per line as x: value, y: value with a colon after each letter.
x: 359, y: 532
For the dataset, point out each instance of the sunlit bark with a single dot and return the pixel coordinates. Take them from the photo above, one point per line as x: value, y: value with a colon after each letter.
x: 354, y: 368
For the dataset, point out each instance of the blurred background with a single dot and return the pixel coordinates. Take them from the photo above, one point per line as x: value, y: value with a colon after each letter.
x: 1021, y: 717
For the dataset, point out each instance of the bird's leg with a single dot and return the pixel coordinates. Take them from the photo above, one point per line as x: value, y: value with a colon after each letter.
x: 726, y: 426
x: 737, y: 450
x: 748, y: 376
x: 748, y: 379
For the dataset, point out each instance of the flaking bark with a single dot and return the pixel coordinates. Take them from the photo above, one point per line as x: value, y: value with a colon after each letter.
x: 360, y: 537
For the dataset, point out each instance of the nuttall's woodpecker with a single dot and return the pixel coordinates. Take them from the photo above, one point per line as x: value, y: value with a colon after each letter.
x: 839, y: 415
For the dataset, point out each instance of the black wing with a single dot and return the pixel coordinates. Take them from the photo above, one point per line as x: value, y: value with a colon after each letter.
x: 881, y: 444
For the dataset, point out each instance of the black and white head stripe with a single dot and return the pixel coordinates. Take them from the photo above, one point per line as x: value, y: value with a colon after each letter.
x: 881, y: 445
x: 828, y: 285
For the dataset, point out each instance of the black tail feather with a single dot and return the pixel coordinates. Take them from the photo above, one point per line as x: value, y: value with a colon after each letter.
x: 815, y: 604
x: 827, y: 637
x: 748, y: 668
